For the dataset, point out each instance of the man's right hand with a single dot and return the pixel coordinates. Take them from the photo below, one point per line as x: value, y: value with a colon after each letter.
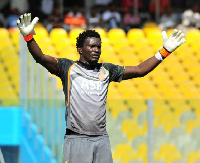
x: 25, y: 25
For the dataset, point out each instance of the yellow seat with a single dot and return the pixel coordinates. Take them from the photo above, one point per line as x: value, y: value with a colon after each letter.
x: 180, y: 77
x: 106, y: 50
x: 154, y: 34
x: 145, y: 52
x: 129, y: 59
x: 115, y: 35
x: 72, y: 55
x: 121, y: 150
x: 114, y: 96
x: 175, y: 69
x: 105, y: 41
x: 62, y: 44
x: 142, y: 152
x: 172, y: 93
x: 191, y: 124
x: 156, y: 43
x: 40, y: 33
x: 150, y: 24
x: 149, y: 29
x: 119, y: 44
x: 192, y: 34
x: 49, y: 50
x: 134, y: 34
x: 4, y: 33
x: 116, y: 107
x: 131, y: 129
x: 168, y: 152
x: 193, y: 156
x: 44, y: 41
x: 74, y: 33
x: 183, y: 52
x: 101, y: 32
x: 137, y: 107
x: 58, y: 33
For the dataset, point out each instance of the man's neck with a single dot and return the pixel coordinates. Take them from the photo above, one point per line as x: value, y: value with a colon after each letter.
x: 87, y: 65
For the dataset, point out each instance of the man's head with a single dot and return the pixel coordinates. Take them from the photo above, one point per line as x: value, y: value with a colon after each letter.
x: 89, y: 46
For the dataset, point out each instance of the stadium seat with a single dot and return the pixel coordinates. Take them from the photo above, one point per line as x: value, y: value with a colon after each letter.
x: 137, y: 107
x: 105, y: 41
x: 73, y: 55
x: 193, y: 156
x: 4, y: 33
x: 116, y: 107
x: 134, y: 34
x: 49, y: 50
x: 145, y: 52
x: 175, y: 69
x: 141, y: 42
x: 62, y: 43
x: 172, y: 93
x: 191, y: 124
x: 115, y: 35
x: 129, y: 58
x: 183, y: 51
x: 179, y: 77
x: 101, y: 32
x: 41, y: 32
x: 192, y: 34
x: 5, y: 43
x: 119, y: 44
x: 74, y: 33
x: 168, y: 152
x: 154, y: 35
x: 131, y: 129
x: 106, y: 50
x: 150, y: 24
x: 142, y: 152
x: 122, y: 150
x: 57, y: 34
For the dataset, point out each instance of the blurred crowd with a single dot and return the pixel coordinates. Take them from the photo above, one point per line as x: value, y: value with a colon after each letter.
x: 106, y: 14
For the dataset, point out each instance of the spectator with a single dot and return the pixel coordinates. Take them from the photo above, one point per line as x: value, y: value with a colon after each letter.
x: 12, y: 18
x: 163, y: 4
x: 111, y: 18
x: 130, y: 3
x: 131, y: 20
x: 102, y: 4
x: 46, y: 9
x: 75, y: 19
x: 93, y: 18
x: 191, y: 17
x: 56, y: 20
x: 2, y: 21
x: 169, y: 19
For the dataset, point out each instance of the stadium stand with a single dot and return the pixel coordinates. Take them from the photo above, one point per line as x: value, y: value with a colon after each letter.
x: 174, y: 86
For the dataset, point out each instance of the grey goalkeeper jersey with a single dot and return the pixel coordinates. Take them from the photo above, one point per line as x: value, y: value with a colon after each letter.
x: 85, y: 94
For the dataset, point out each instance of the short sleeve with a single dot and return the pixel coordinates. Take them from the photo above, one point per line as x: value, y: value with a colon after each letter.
x: 115, y: 72
x: 62, y: 67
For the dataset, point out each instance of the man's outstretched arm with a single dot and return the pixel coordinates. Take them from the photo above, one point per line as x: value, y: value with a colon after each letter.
x: 26, y: 28
x: 169, y: 45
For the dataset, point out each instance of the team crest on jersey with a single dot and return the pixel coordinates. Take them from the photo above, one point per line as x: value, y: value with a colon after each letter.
x: 101, y: 75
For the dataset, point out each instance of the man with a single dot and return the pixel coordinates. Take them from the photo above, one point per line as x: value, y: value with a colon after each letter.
x: 85, y: 84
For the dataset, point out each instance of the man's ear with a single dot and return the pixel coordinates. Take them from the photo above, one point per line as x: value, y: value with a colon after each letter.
x: 80, y: 51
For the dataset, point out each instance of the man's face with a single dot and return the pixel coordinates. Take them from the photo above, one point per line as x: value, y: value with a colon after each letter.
x: 91, y: 50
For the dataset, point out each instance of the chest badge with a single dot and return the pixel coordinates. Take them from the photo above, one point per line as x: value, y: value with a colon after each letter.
x: 101, y: 75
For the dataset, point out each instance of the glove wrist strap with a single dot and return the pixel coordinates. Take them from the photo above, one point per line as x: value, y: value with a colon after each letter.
x: 164, y: 52
x: 29, y: 37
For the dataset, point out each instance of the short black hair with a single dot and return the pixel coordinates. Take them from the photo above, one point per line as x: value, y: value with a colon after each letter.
x: 84, y: 35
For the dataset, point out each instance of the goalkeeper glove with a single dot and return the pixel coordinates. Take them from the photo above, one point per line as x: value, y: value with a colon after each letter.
x: 172, y: 43
x: 26, y: 27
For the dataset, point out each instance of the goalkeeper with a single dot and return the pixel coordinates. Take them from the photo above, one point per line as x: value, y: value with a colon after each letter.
x: 85, y: 85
